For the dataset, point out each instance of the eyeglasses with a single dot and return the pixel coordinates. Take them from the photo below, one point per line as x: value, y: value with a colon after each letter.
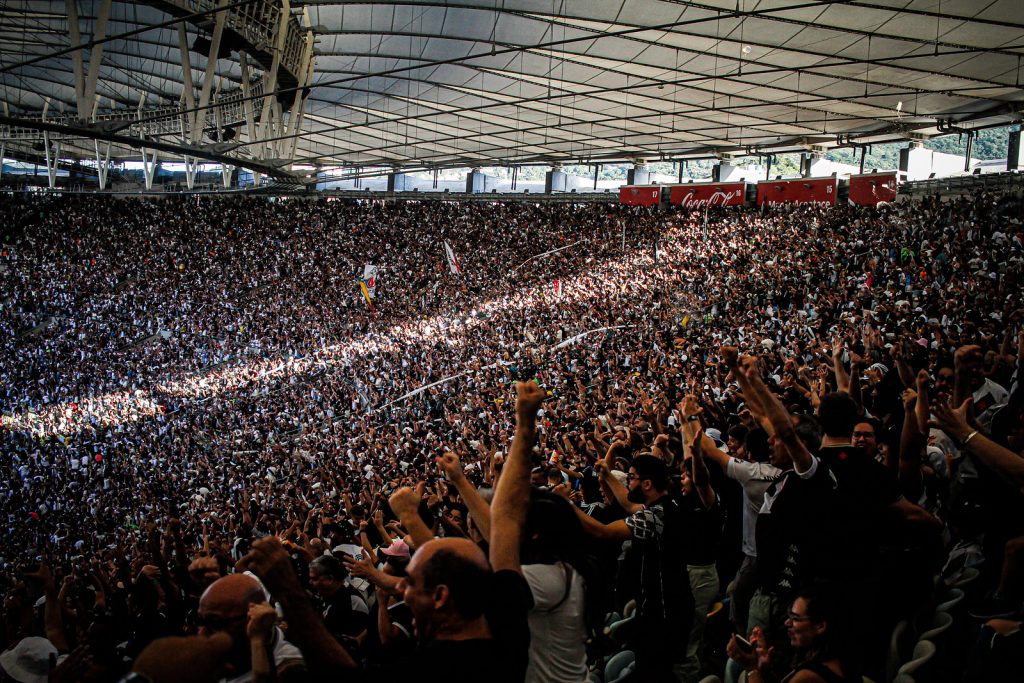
x: 797, y: 618
x: 215, y: 623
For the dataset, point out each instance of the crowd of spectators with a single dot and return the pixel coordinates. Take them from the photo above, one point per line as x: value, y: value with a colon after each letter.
x: 220, y: 462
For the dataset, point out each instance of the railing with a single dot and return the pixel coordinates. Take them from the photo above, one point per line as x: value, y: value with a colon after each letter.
x: 257, y: 22
x: 1006, y: 181
x: 227, y: 109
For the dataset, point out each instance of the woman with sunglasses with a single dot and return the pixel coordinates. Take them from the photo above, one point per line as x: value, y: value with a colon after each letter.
x: 815, y: 628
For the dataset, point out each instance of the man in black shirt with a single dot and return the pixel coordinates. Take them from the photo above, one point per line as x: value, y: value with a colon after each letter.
x: 327, y: 579
x: 658, y: 552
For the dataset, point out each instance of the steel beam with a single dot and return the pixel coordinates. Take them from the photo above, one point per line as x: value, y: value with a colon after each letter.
x: 199, y: 115
x: 99, y: 33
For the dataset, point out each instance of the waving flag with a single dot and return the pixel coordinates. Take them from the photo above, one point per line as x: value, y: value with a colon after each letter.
x: 368, y: 283
x: 453, y: 261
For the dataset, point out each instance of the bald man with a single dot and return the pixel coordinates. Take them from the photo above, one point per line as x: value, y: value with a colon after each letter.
x: 471, y: 610
x: 224, y: 608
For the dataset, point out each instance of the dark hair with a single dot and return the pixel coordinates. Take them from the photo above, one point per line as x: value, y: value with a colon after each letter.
x: 757, y: 445
x: 738, y: 432
x: 652, y: 468
x: 809, y: 431
x: 837, y: 414
x: 831, y: 606
x: 328, y: 565
x: 469, y: 584
x: 553, y: 534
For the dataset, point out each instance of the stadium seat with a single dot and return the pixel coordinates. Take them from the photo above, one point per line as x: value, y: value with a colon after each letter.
x: 963, y: 578
x: 900, y: 647
x: 613, y: 629
x: 949, y: 601
x: 924, y: 651
x: 619, y: 667
x: 941, y: 622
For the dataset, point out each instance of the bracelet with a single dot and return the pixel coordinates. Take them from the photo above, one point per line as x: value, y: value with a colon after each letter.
x: 136, y: 677
x: 968, y: 439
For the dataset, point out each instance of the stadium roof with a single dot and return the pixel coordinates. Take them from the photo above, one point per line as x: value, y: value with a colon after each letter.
x: 423, y: 84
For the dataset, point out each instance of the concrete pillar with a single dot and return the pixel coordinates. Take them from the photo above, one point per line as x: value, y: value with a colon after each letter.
x: 556, y: 180
x: 638, y: 175
x: 478, y: 182
x: 812, y: 164
x: 724, y: 172
x: 1014, y: 152
x: 399, y: 182
x: 916, y: 161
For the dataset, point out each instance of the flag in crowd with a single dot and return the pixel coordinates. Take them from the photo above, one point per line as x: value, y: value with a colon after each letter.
x: 368, y: 283
x: 453, y: 261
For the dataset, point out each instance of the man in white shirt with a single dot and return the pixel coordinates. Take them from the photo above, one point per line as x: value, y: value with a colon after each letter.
x: 755, y: 476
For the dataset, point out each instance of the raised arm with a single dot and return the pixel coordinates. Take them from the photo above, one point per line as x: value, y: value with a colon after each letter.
x: 775, y: 414
x: 512, y: 494
x: 451, y: 466
x: 1003, y: 461
x: 405, y: 503
x: 269, y: 561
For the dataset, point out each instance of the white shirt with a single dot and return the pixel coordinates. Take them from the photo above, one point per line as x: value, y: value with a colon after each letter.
x: 557, y: 634
x: 755, y: 477
x: 283, y: 652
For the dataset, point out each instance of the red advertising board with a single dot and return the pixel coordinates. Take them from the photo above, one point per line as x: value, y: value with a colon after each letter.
x: 699, y: 195
x: 870, y: 189
x: 797, y: 191
x: 640, y: 195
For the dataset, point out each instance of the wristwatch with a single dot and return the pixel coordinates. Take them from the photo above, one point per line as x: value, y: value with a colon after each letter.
x: 692, y: 418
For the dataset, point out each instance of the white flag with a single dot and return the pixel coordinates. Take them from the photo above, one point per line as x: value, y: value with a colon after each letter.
x: 370, y: 280
x: 453, y: 260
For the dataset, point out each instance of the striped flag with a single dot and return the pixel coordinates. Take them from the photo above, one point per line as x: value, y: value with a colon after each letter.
x: 453, y: 261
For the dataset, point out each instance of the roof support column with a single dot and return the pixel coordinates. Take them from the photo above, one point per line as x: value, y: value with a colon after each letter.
x: 270, y: 77
x: 76, y: 56
x: 638, y: 175
x: 299, y: 103
x: 99, y: 34
x: 52, y: 159
x: 85, y: 83
x: 149, y: 165
x: 1014, y: 156
x: 188, y: 89
x: 102, y: 162
x: 199, y: 114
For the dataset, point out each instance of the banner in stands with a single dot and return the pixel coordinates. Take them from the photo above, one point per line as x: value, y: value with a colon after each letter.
x: 697, y: 196
x: 369, y: 281
x: 640, y: 195
x: 870, y: 189
x: 798, y: 191
x: 453, y: 261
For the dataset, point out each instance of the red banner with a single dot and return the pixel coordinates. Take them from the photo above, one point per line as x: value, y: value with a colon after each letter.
x: 697, y: 196
x: 640, y: 195
x: 873, y: 188
x: 797, y: 191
